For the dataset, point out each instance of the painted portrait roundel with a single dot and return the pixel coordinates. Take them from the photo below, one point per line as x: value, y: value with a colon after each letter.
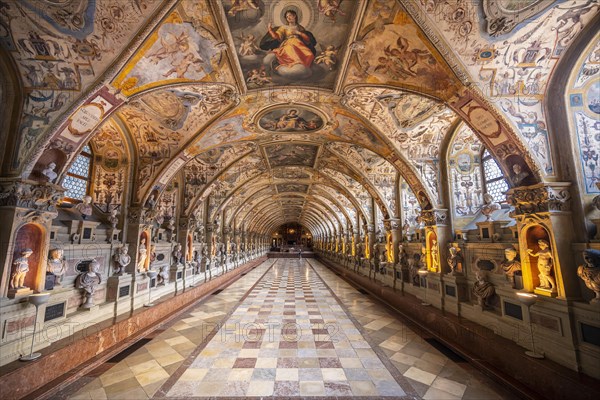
x: 291, y: 119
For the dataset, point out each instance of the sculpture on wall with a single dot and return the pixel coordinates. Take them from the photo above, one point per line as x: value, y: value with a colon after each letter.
x: 88, y: 281
x: 589, y: 272
x: 545, y: 264
x: 113, y: 218
x: 163, y: 275
x: 142, y: 255
x: 56, y: 265
x: 177, y: 254
x: 50, y: 173
x: 435, y: 256
x: 482, y: 289
x: 489, y: 206
x: 20, y: 270
x: 85, y: 207
x: 511, y: 265
x: 122, y: 259
x: 455, y: 260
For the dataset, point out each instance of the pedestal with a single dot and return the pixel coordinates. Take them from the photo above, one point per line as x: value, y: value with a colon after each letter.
x: 456, y: 291
x: 176, y: 276
x: 21, y: 292
x: 119, y: 290
x: 488, y: 230
x: 545, y: 292
x: 434, y: 287
x: 113, y: 235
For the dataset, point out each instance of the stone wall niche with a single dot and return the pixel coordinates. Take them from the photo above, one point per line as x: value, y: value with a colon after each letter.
x: 29, y: 236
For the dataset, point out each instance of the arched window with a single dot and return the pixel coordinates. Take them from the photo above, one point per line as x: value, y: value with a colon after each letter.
x: 78, y: 177
x: 493, y: 178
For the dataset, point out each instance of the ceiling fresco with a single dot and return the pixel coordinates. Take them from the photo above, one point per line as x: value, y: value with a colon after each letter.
x: 60, y: 49
x: 512, y: 68
x: 329, y: 113
x: 289, y: 42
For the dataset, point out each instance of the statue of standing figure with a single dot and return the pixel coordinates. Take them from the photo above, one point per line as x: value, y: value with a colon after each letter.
x: 177, y: 254
x: 20, y: 270
x: 545, y: 264
x: 511, y: 265
x: 142, y: 255
x: 113, y: 218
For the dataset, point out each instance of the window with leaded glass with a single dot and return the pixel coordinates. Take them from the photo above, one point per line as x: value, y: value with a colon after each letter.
x: 78, y: 177
x: 493, y: 178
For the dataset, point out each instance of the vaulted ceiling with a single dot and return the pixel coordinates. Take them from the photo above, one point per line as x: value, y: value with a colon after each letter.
x: 318, y: 124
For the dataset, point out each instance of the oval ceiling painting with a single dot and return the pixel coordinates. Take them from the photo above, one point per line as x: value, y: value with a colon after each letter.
x: 291, y: 119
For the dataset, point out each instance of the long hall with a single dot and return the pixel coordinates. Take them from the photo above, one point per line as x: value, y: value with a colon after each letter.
x: 289, y: 327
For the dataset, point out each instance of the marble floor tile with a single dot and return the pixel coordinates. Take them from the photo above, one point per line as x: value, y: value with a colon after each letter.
x: 288, y: 328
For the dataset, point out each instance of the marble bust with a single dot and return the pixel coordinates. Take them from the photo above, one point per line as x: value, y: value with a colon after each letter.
x: 482, y: 289
x: 113, y: 218
x: 589, y: 272
x: 85, y: 207
x: 122, y: 259
x: 50, y: 173
x: 489, y: 206
x: 511, y: 265
x: 88, y: 281
x: 57, y: 265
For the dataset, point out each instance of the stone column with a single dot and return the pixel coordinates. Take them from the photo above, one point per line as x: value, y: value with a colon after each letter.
x: 543, y: 213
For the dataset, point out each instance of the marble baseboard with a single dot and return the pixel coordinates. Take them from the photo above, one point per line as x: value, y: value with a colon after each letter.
x: 23, y: 379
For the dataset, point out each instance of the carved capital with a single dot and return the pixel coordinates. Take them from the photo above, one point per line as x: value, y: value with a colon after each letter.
x: 434, y: 217
x: 32, y: 195
x: 540, y: 198
x: 140, y: 216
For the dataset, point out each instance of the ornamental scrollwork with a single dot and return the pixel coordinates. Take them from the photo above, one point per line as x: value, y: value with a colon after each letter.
x: 540, y: 198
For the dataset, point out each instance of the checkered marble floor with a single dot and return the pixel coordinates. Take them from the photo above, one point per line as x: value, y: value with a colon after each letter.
x: 289, y: 328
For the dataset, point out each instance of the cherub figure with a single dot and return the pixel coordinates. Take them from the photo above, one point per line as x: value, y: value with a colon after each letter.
x: 328, y: 56
x: 242, y: 5
x: 330, y: 8
x: 248, y: 47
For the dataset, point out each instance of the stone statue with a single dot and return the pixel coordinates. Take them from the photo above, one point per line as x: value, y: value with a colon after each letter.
x: 435, y: 256
x: 422, y: 260
x: 85, y: 207
x: 489, y: 206
x: 177, y: 254
x: 163, y: 275
x: 50, y: 173
x: 152, y: 258
x: 142, y: 255
x: 589, y: 272
x: 57, y: 265
x: 88, y: 281
x: 122, y: 259
x: 482, y: 289
x: 415, y: 263
x: 545, y: 264
x: 511, y: 265
x: 113, y: 218
x: 455, y: 260
x: 20, y: 270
